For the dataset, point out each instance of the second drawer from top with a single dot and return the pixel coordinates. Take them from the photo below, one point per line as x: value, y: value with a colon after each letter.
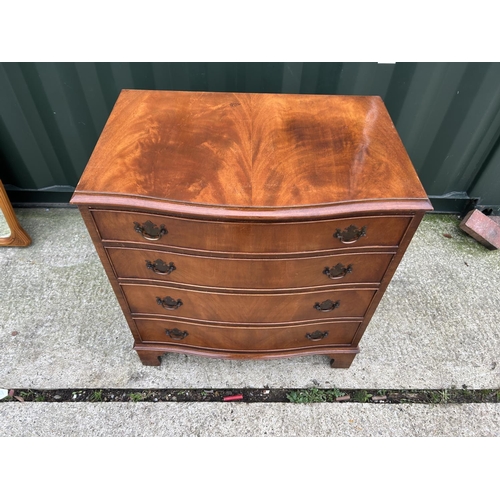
x: 265, y: 273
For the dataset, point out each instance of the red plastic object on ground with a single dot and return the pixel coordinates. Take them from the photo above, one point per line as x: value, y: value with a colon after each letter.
x: 236, y: 397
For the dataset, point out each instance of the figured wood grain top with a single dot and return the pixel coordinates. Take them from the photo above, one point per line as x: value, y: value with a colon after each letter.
x: 248, y: 151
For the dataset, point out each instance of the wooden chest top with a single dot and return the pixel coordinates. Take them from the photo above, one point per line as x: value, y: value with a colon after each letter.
x: 251, y: 155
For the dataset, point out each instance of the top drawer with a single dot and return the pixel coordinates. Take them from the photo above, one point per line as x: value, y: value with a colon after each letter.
x: 250, y: 237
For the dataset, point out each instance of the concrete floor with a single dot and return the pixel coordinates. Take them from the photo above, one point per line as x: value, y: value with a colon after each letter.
x: 436, y: 327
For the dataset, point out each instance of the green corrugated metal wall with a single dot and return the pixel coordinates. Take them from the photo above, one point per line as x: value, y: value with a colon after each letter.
x: 448, y: 116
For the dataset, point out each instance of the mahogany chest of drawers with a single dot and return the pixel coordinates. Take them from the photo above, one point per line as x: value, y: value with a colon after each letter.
x: 249, y: 225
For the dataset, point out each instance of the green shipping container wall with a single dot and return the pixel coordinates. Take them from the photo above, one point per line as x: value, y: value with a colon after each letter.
x: 447, y: 114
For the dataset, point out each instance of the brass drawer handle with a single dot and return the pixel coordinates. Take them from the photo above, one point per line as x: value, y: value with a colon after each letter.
x: 150, y: 231
x: 160, y: 267
x: 337, y: 272
x: 169, y: 303
x: 317, y: 335
x: 350, y: 234
x: 326, y: 306
x: 176, y: 334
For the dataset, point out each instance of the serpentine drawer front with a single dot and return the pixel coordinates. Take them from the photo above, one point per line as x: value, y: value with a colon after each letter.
x: 247, y: 338
x: 247, y: 307
x: 221, y: 271
x: 251, y: 237
x: 241, y: 225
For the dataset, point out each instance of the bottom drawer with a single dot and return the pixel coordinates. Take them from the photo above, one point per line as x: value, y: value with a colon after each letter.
x: 248, y: 339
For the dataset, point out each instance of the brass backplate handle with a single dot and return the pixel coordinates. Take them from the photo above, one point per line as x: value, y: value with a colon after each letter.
x: 317, y: 335
x: 337, y: 272
x: 150, y: 231
x: 350, y: 234
x: 169, y: 303
x: 327, y: 305
x: 160, y: 267
x: 176, y: 334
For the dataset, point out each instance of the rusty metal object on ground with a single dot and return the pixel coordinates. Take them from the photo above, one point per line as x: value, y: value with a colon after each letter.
x: 482, y: 228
